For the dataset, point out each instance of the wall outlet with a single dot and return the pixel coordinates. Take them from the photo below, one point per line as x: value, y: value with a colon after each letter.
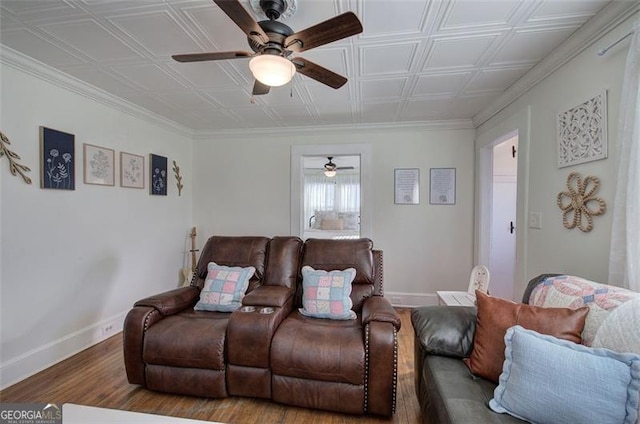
x: 396, y: 300
x: 108, y: 330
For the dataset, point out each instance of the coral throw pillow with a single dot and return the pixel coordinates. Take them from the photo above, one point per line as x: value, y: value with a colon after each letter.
x: 224, y: 288
x: 326, y: 294
x: 496, y: 315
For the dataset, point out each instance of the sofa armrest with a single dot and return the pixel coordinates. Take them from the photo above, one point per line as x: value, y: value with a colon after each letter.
x: 377, y: 308
x: 445, y: 330
x: 381, y: 325
x: 275, y: 296
x: 533, y: 283
x: 137, y: 321
x: 173, y: 301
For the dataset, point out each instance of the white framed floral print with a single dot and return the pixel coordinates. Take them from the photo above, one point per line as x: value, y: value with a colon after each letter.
x: 99, y: 165
x: 131, y: 170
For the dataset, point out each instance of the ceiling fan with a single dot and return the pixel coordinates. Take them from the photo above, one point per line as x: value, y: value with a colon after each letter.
x: 274, y: 43
x: 330, y: 168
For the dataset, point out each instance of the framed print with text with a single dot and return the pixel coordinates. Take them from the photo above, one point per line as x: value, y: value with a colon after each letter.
x: 406, y: 186
x: 442, y: 186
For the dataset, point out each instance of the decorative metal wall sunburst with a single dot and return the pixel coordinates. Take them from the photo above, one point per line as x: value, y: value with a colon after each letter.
x: 579, y: 204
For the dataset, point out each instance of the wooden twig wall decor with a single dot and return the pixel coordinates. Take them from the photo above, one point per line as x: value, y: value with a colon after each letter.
x: 176, y: 170
x: 14, y: 167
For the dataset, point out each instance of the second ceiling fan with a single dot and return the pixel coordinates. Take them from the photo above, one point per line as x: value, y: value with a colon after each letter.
x: 274, y: 43
x: 330, y: 168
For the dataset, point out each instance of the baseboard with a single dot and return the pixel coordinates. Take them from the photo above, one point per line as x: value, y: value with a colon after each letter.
x: 40, y: 358
x: 411, y: 300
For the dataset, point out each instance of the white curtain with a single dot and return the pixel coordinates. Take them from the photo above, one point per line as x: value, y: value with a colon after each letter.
x: 340, y: 193
x: 624, y: 257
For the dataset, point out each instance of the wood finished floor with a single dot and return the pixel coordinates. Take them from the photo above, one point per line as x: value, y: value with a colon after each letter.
x: 96, y: 377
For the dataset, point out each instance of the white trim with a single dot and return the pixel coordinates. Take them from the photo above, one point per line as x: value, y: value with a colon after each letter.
x: 604, y: 21
x: 366, y: 181
x: 411, y: 300
x: 42, y: 357
x: 56, y: 77
x: 454, y: 124
x: 485, y: 140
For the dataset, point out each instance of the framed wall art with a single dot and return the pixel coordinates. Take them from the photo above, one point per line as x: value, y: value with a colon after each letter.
x: 406, y: 186
x: 582, y: 132
x: 99, y: 165
x: 442, y: 186
x: 131, y: 170
x: 158, y: 178
x: 57, y: 159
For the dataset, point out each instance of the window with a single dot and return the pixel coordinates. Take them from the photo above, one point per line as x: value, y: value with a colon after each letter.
x: 337, y: 194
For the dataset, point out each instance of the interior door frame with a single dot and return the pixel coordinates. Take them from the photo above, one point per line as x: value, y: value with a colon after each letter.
x: 299, y: 151
x: 485, y: 140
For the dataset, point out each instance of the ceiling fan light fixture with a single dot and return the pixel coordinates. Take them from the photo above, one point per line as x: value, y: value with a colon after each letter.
x: 330, y: 173
x: 272, y: 70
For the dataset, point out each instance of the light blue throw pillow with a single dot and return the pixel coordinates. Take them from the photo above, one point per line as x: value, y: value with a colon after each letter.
x: 224, y: 288
x: 548, y: 380
x: 326, y: 294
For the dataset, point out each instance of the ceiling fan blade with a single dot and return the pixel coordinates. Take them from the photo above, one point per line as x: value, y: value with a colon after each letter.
x: 318, y: 73
x: 199, y: 57
x: 242, y: 18
x: 340, y: 168
x: 260, y: 88
x: 337, y: 28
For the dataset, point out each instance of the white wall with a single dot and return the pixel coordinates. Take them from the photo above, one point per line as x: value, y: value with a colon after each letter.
x: 241, y: 186
x: 73, y: 261
x: 555, y: 248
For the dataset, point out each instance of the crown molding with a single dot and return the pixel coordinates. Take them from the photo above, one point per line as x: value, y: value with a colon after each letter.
x: 454, y: 124
x: 54, y: 76
x: 35, y: 68
x: 604, y: 21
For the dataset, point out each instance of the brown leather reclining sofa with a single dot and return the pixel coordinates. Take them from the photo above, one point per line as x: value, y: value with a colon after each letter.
x: 346, y: 366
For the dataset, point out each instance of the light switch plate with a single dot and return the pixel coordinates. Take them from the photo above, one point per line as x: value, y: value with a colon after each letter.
x: 535, y: 220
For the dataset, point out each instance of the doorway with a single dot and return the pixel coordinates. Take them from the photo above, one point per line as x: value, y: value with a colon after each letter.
x: 319, y: 153
x: 331, y: 191
x: 504, y: 193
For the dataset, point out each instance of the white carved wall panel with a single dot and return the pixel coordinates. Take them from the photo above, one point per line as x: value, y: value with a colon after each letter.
x: 582, y: 132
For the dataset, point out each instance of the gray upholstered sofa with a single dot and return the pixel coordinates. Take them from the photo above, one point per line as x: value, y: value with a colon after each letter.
x: 444, y: 335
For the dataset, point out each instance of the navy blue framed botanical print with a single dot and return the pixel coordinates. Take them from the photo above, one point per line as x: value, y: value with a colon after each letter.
x: 57, y: 159
x: 158, y: 179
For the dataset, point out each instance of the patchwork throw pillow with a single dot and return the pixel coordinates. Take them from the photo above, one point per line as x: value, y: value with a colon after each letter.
x: 326, y: 294
x: 569, y: 291
x: 224, y: 288
x: 496, y: 315
x: 547, y: 380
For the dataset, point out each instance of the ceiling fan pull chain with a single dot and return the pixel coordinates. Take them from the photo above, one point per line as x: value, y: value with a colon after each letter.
x: 291, y: 86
